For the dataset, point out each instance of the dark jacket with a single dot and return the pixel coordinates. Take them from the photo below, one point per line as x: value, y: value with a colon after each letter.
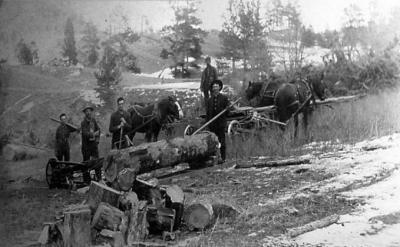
x: 88, y: 128
x: 209, y: 75
x: 62, y: 135
x: 115, y: 120
x: 215, y: 105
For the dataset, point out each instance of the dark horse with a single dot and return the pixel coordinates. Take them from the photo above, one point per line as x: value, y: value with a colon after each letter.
x: 149, y: 119
x: 288, y: 97
x: 295, y: 97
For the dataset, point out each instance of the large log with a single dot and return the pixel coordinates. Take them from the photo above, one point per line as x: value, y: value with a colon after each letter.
x: 102, y: 193
x: 275, y: 163
x: 108, y: 217
x: 150, y: 156
x: 77, y: 227
x: 294, y: 232
x: 199, y: 216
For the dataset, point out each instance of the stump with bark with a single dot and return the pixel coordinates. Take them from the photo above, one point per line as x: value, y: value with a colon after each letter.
x: 102, y: 193
x: 107, y: 217
x: 77, y: 227
x: 199, y: 216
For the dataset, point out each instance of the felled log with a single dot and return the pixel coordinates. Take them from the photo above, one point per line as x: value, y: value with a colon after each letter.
x: 339, y: 99
x: 102, y: 193
x: 150, y: 156
x: 107, y: 217
x: 126, y: 177
x: 77, y: 227
x: 199, y: 216
x: 313, y: 225
x: 137, y: 223
x: 174, y: 199
x: 275, y: 163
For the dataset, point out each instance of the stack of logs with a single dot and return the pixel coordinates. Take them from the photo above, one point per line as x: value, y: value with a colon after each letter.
x: 124, y: 210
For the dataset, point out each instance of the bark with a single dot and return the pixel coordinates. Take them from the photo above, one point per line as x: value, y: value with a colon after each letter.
x: 313, y: 225
x: 102, y: 193
x: 137, y: 223
x: 275, y: 163
x: 108, y: 217
x: 77, y: 227
x: 150, y: 156
x: 199, y: 216
x: 174, y: 199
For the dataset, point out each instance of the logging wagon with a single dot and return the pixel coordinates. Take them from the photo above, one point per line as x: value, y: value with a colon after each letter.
x: 244, y: 119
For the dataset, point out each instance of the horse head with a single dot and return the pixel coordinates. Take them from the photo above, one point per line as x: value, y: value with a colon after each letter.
x: 170, y: 107
x: 253, y: 90
x: 318, y: 85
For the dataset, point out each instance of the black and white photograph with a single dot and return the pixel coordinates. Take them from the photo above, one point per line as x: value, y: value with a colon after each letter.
x: 199, y: 123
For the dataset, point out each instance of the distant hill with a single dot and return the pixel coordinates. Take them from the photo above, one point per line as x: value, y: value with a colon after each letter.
x: 43, y: 21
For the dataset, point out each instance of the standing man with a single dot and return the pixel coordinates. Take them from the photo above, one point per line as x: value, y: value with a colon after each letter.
x: 62, y: 139
x: 217, y: 103
x: 90, y: 135
x: 207, y: 77
x: 120, y: 125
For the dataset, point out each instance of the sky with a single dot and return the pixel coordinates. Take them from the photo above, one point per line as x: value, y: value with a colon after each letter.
x: 320, y: 14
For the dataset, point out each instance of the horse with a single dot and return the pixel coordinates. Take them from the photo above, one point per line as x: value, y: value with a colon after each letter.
x: 294, y: 98
x: 261, y: 93
x: 150, y: 118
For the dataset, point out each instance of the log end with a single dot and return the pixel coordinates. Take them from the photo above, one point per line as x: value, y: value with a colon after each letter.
x: 199, y: 216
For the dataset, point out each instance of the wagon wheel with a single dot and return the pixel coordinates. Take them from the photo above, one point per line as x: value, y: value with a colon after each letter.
x: 189, y: 130
x: 233, y: 127
x: 50, y: 173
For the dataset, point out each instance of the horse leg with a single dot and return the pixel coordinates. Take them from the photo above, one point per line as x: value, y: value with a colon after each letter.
x: 296, y: 125
x: 148, y: 136
x: 306, y: 113
x: 156, y: 132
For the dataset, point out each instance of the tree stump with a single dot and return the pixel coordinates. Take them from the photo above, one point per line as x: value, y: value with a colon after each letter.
x: 137, y: 223
x: 199, y: 216
x: 77, y: 227
x: 175, y: 198
x: 102, y: 193
x: 107, y: 217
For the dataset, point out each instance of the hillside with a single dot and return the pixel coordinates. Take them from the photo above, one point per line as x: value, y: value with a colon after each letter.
x: 43, y: 21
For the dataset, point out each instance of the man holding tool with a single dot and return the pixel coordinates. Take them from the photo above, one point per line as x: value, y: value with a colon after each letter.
x: 120, y: 125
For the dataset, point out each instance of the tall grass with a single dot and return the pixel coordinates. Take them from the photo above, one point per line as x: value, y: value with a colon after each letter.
x: 369, y: 117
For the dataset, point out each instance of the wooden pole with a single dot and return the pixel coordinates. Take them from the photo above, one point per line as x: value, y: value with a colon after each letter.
x: 68, y: 124
x: 217, y: 116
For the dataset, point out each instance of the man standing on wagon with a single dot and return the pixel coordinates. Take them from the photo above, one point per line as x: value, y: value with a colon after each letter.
x: 207, y: 77
x: 120, y: 125
x: 215, y: 104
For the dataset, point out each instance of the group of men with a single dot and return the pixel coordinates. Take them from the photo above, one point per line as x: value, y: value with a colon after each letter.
x: 120, y: 125
x: 120, y: 121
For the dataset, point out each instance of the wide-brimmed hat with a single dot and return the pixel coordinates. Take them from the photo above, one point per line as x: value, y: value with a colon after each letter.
x: 219, y: 82
x: 88, y: 107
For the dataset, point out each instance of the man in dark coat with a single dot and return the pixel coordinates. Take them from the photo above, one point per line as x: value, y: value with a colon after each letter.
x: 62, y: 139
x: 120, y: 125
x: 217, y: 103
x: 90, y: 135
x: 207, y: 77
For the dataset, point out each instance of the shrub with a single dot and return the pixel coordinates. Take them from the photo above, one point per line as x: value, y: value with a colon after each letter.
x: 24, y: 53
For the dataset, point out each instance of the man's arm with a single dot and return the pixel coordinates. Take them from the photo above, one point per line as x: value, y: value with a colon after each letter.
x: 114, y: 124
x: 128, y: 124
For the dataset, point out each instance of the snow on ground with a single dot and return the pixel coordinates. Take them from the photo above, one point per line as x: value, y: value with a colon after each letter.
x: 91, y: 96
x: 377, y: 223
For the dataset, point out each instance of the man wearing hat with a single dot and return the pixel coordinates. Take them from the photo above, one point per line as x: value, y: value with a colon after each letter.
x: 120, y: 125
x: 62, y: 138
x: 207, y: 77
x: 215, y: 104
x: 90, y: 135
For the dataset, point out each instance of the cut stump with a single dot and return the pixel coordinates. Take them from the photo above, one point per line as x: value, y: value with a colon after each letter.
x: 199, y: 216
x: 102, y: 193
x: 77, y: 227
x: 107, y: 217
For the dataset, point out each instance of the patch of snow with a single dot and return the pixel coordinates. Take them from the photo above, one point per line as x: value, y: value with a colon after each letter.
x: 92, y: 96
x: 28, y: 106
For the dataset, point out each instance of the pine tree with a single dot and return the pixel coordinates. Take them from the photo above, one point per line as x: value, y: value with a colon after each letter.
x: 69, y: 49
x: 91, y: 43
